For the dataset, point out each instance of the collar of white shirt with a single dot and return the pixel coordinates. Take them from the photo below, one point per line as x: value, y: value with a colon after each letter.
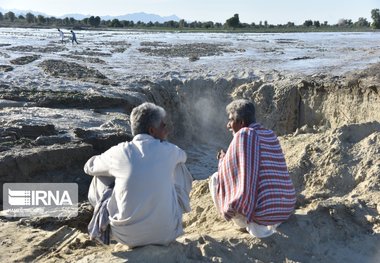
x: 143, y: 137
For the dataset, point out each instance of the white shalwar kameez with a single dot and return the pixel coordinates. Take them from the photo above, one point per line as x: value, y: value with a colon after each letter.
x: 151, y: 190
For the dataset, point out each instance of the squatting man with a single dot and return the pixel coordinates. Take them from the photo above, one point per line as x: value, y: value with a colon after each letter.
x: 252, y: 186
x: 140, y: 188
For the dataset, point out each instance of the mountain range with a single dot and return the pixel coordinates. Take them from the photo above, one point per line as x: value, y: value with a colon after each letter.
x: 135, y: 17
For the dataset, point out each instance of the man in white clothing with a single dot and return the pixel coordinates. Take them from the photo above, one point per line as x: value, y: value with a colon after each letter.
x: 62, y: 36
x: 152, y: 184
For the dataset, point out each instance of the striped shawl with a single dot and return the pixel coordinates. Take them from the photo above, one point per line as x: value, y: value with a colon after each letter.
x: 253, y: 178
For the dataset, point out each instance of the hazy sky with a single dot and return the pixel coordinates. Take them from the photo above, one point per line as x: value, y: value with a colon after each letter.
x: 274, y: 11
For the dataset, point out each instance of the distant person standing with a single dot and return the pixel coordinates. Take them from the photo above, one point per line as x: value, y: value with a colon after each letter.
x: 61, y: 35
x: 73, y: 37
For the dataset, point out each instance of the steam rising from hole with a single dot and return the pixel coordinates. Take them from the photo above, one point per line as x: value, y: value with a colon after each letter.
x: 210, y: 116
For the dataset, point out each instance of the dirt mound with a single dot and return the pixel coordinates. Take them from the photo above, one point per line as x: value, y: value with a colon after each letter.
x: 277, y: 104
x: 86, y: 59
x: 185, y: 50
x: 47, y: 49
x: 71, y: 70
x: 24, y: 60
x: 287, y: 103
x: 68, y: 99
x: 340, y: 162
x: 93, y: 53
x: 5, y: 68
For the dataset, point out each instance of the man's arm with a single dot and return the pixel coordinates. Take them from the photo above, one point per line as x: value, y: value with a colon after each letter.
x: 96, y: 166
x: 101, y: 165
x: 177, y: 153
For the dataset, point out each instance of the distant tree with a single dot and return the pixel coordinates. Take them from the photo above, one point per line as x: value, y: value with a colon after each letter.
x: 182, y: 23
x: 116, y: 23
x: 29, y: 18
x: 10, y: 16
x: 52, y: 19
x: 341, y: 22
x: 208, y: 24
x: 325, y: 23
x: 41, y: 19
x: 66, y: 21
x: 127, y: 23
x: 198, y: 24
x: 345, y: 22
x: 59, y: 21
x: 171, y: 24
x: 218, y: 25
x: 97, y: 21
x: 233, y: 22
x: 72, y: 21
x: 21, y: 17
x: 316, y: 23
x: 49, y: 20
x: 140, y: 24
x: 362, y: 22
x: 266, y: 23
x: 86, y: 21
x: 91, y: 20
x: 375, y: 15
x: 290, y: 24
x: 308, y: 23
x: 1, y: 16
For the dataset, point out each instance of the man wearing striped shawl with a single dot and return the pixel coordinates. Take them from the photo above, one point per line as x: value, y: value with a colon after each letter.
x: 252, y: 186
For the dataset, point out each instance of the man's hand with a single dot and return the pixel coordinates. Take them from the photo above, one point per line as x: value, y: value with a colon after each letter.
x: 221, y: 153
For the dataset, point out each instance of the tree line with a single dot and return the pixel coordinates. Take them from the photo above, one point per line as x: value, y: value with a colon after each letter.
x: 30, y: 19
x: 234, y: 22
